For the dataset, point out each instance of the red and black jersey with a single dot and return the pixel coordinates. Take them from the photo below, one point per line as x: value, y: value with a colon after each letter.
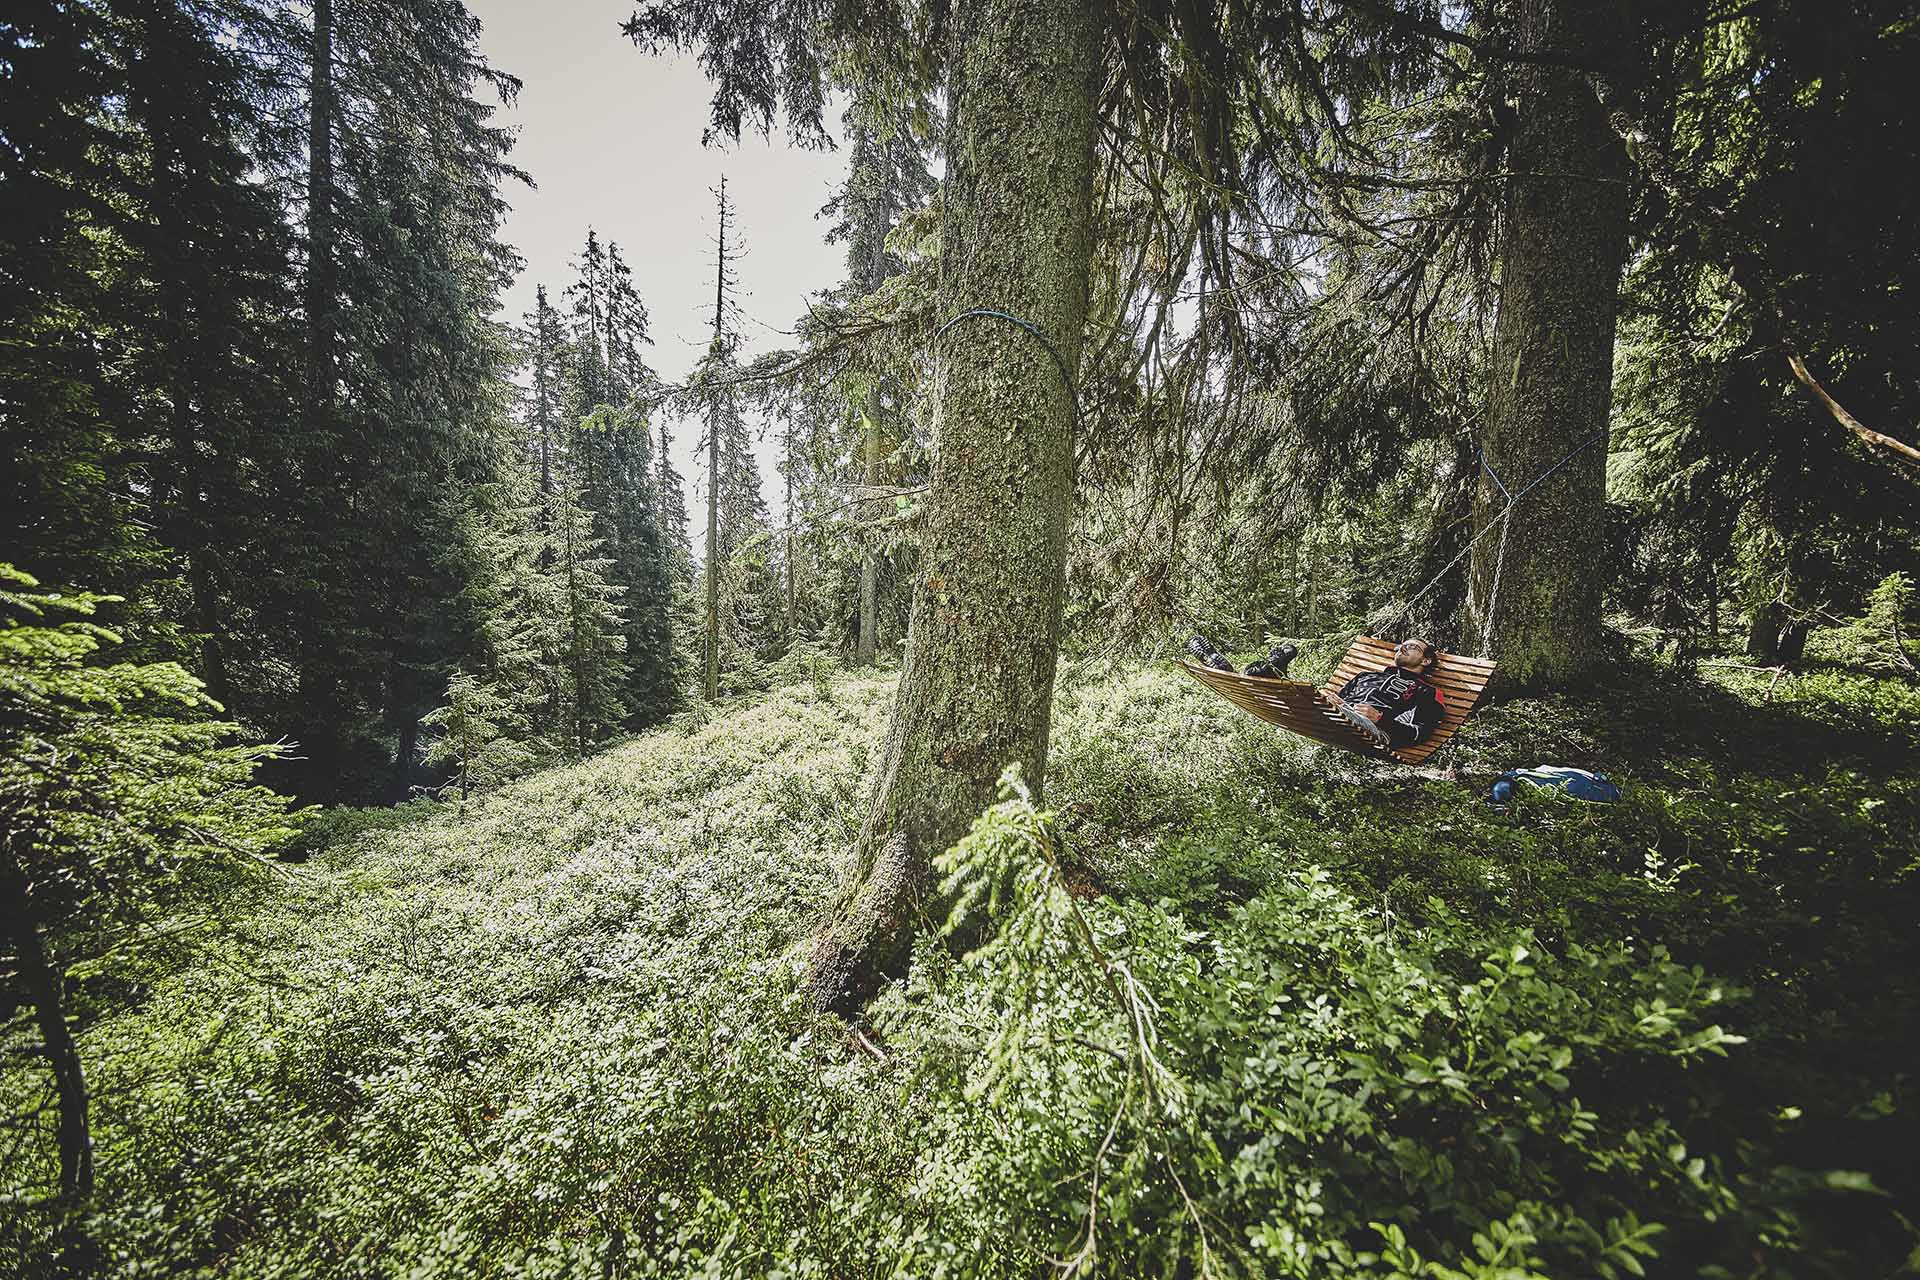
x: 1413, y: 706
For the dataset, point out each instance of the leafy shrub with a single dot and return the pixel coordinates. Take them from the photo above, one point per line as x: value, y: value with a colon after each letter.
x: 343, y: 824
x: 1323, y: 1017
x: 1869, y: 642
x: 1301, y: 1086
x: 126, y: 815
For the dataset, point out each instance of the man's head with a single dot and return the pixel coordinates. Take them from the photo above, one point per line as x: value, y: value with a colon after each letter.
x: 1414, y: 655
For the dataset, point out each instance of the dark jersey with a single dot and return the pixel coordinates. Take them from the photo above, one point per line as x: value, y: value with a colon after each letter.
x: 1413, y: 707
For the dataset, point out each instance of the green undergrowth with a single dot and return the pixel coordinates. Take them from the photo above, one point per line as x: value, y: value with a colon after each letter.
x: 1244, y: 1006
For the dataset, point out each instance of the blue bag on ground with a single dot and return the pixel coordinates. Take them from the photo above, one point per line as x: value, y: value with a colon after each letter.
x: 1578, y: 783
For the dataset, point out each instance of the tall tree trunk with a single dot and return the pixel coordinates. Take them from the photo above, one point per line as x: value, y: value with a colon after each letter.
x: 868, y: 647
x: 407, y: 747
x: 1565, y: 239
x: 977, y: 690
x: 318, y: 697
x: 712, y: 673
x: 42, y: 984
x: 786, y: 516
x: 321, y: 322
x: 711, y: 678
x: 1713, y: 607
x: 1313, y: 585
x: 871, y: 220
x: 1763, y: 632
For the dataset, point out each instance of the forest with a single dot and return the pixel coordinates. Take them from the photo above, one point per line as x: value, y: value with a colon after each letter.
x: 932, y: 798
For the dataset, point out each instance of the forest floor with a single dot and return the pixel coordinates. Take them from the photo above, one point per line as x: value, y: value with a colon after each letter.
x: 1370, y: 1026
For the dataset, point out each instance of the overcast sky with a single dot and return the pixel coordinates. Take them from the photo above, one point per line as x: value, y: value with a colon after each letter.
x: 611, y: 138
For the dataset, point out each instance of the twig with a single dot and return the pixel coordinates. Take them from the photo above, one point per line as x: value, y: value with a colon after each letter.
x: 879, y: 1055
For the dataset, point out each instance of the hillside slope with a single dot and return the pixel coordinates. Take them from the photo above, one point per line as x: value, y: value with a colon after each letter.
x: 556, y: 1034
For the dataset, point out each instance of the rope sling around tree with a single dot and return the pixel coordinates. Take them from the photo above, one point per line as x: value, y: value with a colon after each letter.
x: 1321, y: 716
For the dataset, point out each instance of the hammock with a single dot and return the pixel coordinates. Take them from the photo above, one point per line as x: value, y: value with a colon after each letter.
x: 1318, y: 714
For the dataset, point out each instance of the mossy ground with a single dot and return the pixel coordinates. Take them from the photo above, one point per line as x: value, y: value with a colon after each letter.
x: 554, y: 1032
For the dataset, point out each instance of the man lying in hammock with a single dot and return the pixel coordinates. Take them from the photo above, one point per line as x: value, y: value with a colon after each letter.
x: 1398, y: 704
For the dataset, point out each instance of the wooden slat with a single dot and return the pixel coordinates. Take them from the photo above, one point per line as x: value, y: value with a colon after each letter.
x: 1448, y: 686
x: 1298, y: 707
x: 1293, y: 705
x: 1370, y: 646
x: 1441, y: 674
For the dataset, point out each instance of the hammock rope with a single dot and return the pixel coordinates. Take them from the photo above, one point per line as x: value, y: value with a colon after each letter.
x: 1320, y: 715
x: 1035, y: 331
x: 1504, y: 521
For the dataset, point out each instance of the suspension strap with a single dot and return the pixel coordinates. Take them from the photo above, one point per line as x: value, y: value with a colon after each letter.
x: 1035, y: 331
x: 1505, y: 521
x: 1499, y: 567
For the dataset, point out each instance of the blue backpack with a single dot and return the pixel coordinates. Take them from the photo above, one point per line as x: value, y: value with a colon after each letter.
x: 1578, y: 783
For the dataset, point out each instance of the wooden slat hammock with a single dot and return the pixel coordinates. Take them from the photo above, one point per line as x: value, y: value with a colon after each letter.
x: 1319, y: 714
x: 1298, y: 707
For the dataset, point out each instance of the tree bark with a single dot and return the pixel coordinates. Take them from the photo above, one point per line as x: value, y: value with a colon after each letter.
x: 977, y: 688
x: 1763, y: 632
x: 1565, y: 239
x: 868, y: 646
x: 407, y: 727
x: 321, y: 322
x: 710, y: 674
x: 42, y: 984
x: 871, y: 217
x: 710, y: 683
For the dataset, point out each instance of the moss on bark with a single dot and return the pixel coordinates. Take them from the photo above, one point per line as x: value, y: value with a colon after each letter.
x: 977, y: 686
x: 1564, y: 241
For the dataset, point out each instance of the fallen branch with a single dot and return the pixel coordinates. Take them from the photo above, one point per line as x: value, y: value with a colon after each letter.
x: 879, y: 1055
x: 1874, y: 439
x: 1645, y: 151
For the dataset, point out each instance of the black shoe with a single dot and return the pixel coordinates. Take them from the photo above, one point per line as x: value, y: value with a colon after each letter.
x: 1275, y: 667
x: 1207, y: 654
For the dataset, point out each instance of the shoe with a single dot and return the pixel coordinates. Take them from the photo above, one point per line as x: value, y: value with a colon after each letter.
x: 1208, y: 655
x: 1275, y: 667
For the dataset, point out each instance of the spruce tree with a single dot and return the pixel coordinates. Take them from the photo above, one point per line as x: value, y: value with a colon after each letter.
x: 116, y: 785
x: 547, y: 359
x: 610, y: 457
x: 413, y: 210
x: 590, y: 624
x: 721, y: 411
x: 144, y: 354
x: 887, y: 175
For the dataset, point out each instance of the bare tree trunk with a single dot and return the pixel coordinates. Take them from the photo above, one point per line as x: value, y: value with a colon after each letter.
x: 42, y: 986
x: 977, y: 689
x: 786, y: 516
x: 710, y: 682
x: 321, y: 322
x: 868, y: 646
x: 1565, y: 239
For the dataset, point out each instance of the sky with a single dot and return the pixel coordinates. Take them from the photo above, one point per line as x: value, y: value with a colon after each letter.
x: 611, y: 138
